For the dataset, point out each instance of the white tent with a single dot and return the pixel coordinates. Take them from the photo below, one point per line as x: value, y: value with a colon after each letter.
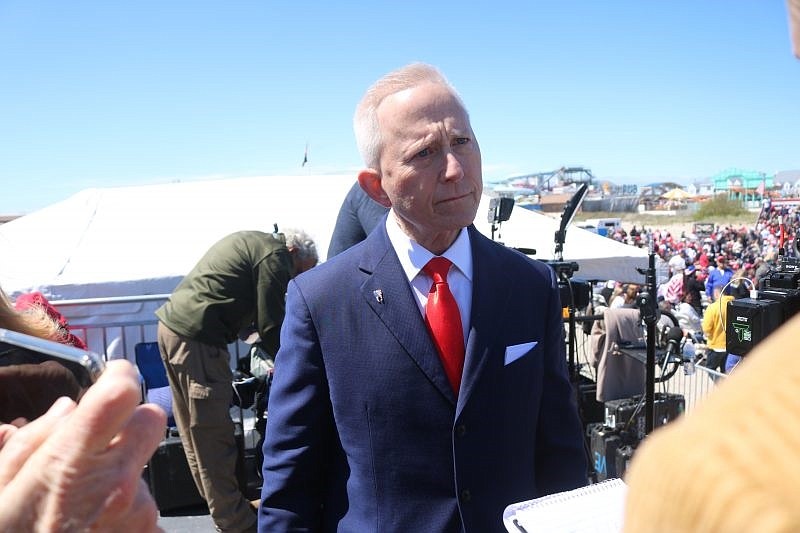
x: 142, y: 240
x: 598, y: 257
x: 130, y: 241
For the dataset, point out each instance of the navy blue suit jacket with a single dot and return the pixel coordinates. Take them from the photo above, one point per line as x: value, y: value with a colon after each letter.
x: 364, y: 432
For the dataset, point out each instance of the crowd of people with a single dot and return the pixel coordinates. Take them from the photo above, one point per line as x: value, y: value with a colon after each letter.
x: 705, y: 272
x: 747, y: 248
x: 699, y: 264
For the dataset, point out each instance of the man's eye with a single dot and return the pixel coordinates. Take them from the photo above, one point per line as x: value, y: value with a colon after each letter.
x: 424, y: 152
x: 461, y: 140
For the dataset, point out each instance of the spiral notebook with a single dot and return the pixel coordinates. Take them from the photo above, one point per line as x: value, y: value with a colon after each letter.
x: 597, y: 508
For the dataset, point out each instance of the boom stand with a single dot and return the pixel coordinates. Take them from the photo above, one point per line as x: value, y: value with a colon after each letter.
x: 648, y: 309
x: 564, y: 271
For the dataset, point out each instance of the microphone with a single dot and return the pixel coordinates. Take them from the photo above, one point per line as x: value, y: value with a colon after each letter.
x: 674, y: 336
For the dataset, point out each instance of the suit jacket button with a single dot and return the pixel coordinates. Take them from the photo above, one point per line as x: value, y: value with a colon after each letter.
x: 461, y: 430
x: 466, y: 495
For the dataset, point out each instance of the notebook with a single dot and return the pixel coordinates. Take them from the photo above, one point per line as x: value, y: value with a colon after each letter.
x: 597, y: 508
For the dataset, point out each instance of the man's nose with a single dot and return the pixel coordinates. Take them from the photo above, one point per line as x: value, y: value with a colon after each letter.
x: 453, y: 171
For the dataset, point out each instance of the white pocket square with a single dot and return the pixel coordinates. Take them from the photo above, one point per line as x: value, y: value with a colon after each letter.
x: 518, y: 350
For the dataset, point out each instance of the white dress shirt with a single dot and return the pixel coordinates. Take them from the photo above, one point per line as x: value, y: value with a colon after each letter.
x: 413, y: 257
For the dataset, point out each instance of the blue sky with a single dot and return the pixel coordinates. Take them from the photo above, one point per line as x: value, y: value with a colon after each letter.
x: 102, y: 93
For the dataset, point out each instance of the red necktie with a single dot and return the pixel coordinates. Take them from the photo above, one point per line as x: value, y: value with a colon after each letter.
x: 444, y: 321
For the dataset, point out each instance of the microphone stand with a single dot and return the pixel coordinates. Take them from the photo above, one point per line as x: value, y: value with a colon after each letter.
x: 648, y: 309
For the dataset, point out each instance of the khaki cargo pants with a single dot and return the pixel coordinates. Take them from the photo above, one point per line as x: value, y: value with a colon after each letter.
x: 200, y: 379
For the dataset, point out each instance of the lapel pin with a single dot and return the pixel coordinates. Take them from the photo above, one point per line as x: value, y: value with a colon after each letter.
x: 378, y: 295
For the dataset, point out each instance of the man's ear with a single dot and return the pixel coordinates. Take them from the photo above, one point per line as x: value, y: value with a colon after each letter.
x: 370, y: 181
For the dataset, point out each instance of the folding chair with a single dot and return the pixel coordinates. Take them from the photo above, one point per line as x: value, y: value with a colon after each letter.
x: 156, y: 385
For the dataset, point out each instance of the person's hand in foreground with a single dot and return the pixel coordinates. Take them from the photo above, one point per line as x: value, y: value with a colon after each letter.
x: 79, y: 467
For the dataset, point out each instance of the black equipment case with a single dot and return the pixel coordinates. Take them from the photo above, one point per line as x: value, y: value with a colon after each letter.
x: 624, y: 454
x: 170, y: 480
x: 589, y: 409
x: 624, y: 412
x: 604, y: 444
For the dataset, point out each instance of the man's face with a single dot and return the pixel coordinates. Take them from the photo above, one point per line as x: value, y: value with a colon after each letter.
x: 430, y: 164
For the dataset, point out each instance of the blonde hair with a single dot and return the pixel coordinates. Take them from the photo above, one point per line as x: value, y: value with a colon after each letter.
x: 365, y: 120
x: 33, y: 321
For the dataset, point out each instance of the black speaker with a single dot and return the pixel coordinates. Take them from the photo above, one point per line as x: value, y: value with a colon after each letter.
x: 749, y: 321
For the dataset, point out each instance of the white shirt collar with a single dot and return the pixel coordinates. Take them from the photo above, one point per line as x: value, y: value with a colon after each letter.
x: 413, y: 256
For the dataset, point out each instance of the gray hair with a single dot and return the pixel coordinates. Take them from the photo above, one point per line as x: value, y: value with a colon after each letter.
x: 298, y: 240
x: 365, y: 120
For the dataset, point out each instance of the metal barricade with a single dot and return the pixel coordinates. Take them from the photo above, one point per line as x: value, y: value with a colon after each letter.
x: 695, y: 382
x: 113, y: 326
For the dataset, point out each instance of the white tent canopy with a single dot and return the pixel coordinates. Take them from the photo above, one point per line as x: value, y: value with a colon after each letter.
x: 598, y: 257
x: 141, y: 240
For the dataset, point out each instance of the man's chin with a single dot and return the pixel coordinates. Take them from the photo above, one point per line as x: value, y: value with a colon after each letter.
x: 464, y: 208
x: 457, y: 221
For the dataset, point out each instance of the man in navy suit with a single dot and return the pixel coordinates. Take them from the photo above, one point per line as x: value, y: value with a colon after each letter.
x: 366, y: 430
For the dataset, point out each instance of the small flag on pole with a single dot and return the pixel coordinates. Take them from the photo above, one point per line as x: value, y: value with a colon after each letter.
x: 305, y: 156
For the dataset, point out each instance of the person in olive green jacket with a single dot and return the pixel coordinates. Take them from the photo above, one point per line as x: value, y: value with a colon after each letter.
x: 240, y: 281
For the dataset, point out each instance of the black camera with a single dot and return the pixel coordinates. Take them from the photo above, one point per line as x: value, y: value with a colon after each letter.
x: 750, y: 320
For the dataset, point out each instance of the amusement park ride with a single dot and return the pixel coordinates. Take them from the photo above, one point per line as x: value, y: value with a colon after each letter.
x: 547, y: 180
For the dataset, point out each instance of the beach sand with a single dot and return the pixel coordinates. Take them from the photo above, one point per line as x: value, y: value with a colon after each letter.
x: 675, y: 223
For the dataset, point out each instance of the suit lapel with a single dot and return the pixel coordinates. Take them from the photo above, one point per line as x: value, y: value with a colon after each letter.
x: 387, y: 292
x: 490, y: 297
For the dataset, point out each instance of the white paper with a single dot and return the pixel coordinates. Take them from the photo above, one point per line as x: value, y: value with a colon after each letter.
x: 597, y: 508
